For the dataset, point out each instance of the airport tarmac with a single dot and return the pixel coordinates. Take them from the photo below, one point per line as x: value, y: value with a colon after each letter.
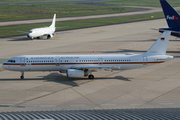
x: 151, y: 86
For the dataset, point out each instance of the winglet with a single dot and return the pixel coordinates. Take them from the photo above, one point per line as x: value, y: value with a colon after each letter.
x: 172, y: 17
x: 53, y: 22
x: 160, y: 46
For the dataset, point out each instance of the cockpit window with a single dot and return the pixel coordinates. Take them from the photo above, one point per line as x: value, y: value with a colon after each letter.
x: 30, y: 31
x: 13, y: 61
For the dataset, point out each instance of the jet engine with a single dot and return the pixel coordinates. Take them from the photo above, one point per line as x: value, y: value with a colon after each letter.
x: 75, y: 73
x: 49, y: 36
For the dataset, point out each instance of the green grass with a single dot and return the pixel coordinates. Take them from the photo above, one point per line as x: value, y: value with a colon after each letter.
x: 24, y: 1
x: 150, y: 3
x: 21, y: 12
x: 9, y: 31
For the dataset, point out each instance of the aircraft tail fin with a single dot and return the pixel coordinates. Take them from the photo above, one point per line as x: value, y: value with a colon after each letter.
x: 160, y: 46
x: 53, y: 22
x: 172, y: 17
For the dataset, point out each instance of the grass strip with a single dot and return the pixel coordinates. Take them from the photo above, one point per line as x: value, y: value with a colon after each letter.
x: 39, y: 11
x: 149, y: 3
x: 28, y: 1
x: 9, y: 31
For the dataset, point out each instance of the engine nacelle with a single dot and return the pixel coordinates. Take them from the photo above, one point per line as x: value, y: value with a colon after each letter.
x: 49, y: 36
x: 75, y: 73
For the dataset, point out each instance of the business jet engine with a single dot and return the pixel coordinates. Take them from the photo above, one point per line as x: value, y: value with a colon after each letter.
x: 76, y: 73
x: 49, y: 36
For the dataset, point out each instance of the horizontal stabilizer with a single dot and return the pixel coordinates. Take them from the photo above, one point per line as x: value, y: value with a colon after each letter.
x: 173, y: 30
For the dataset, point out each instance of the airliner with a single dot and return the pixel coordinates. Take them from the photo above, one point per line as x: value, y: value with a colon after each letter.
x: 83, y: 65
x: 172, y: 18
x: 44, y: 31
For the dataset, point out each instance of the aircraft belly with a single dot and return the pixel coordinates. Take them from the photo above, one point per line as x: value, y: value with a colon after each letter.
x: 131, y: 66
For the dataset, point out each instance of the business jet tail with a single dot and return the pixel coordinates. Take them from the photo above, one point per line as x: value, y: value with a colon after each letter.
x: 172, y: 17
x: 53, y: 22
x: 160, y: 46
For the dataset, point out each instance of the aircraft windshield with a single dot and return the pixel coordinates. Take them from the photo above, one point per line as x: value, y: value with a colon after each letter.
x: 11, y: 61
x: 30, y: 31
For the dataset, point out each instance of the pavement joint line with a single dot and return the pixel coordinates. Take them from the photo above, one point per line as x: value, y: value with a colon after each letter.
x: 84, y: 97
x: 108, y: 104
x: 78, y: 105
x: 135, y: 104
x: 156, y: 76
x: 163, y: 93
x: 166, y: 103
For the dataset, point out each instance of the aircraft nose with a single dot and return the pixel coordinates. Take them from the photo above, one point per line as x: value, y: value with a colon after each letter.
x: 29, y: 34
x: 4, y: 66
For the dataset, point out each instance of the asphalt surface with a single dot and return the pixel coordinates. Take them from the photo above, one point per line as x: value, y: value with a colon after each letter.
x: 151, y: 86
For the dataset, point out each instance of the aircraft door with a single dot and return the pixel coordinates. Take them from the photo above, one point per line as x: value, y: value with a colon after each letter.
x: 28, y: 64
x: 100, y: 61
x: 57, y: 60
x: 22, y: 61
x: 145, y: 60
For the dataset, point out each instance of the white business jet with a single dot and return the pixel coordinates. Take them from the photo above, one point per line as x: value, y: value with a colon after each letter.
x: 44, y: 31
x: 84, y: 65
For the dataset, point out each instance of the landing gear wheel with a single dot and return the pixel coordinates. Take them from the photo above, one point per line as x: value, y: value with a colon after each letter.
x: 91, y: 77
x: 22, y: 77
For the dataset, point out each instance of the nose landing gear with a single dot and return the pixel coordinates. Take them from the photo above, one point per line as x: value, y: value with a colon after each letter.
x: 22, y: 75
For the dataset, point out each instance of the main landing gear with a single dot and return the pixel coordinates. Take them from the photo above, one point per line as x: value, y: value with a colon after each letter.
x: 22, y: 75
x: 91, y: 76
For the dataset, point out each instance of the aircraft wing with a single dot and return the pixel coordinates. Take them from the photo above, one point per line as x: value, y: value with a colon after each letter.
x: 22, y: 31
x: 169, y: 30
x: 61, y: 32
x: 166, y: 29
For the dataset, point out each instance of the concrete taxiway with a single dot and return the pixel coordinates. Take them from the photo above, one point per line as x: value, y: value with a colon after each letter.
x: 151, y: 86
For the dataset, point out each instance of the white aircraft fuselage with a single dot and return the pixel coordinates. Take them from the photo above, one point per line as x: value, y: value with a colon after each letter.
x: 44, y: 31
x: 84, y: 65
x: 38, y: 32
x: 98, y: 62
